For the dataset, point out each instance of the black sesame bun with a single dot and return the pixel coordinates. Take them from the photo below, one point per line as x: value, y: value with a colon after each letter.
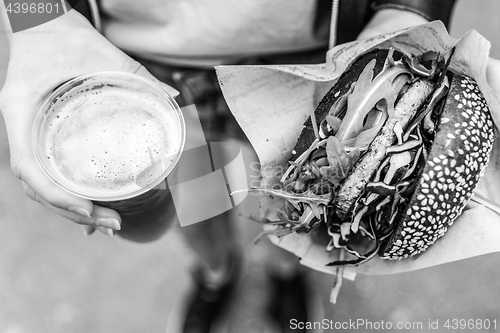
x: 389, y: 159
x: 456, y: 162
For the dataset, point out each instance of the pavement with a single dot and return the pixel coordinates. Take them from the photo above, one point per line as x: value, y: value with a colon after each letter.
x: 55, y: 280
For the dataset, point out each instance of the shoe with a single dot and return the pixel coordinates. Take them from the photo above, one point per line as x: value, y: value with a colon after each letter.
x: 289, y: 302
x: 207, y: 304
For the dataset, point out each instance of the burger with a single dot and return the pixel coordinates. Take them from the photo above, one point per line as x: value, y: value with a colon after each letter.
x: 389, y: 158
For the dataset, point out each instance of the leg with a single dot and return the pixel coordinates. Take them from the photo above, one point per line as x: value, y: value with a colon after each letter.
x: 213, y: 242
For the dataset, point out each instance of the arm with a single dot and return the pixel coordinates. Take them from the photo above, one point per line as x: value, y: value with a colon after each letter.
x: 389, y: 20
x: 393, y: 15
x: 428, y: 9
x: 42, y: 58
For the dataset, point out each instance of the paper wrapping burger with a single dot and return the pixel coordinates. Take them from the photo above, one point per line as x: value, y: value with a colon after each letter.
x: 378, y: 176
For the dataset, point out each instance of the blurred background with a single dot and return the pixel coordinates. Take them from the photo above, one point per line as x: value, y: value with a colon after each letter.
x: 55, y: 280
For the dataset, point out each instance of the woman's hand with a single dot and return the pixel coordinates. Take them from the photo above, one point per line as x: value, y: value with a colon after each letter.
x: 42, y: 58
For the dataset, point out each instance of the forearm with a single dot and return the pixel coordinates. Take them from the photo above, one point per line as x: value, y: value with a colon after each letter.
x: 429, y: 9
x: 393, y: 15
x: 60, y: 43
x: 390, y: 20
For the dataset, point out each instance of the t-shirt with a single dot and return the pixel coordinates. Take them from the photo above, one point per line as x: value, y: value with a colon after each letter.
x: 210, y: 31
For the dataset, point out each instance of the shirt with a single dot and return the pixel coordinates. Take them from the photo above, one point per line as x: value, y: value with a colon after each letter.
x: 210, y: 32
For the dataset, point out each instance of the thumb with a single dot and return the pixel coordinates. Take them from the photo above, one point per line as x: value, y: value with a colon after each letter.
x: 136, y: 68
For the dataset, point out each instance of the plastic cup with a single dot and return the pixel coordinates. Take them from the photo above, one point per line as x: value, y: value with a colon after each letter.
x: 113, y: 138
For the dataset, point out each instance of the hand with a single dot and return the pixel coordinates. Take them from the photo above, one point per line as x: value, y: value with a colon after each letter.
x: 390, y: 20
x: 42, y: 58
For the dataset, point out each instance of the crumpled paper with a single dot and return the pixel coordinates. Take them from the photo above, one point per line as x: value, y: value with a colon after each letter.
x: 271, y: 104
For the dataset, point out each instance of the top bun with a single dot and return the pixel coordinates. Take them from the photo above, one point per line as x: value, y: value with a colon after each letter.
x: 456, y: 162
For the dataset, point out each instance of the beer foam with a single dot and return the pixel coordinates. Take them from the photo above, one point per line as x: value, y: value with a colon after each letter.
x: 98, y: 141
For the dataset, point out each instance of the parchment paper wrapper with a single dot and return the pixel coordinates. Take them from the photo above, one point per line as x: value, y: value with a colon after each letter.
x: 271, y: 104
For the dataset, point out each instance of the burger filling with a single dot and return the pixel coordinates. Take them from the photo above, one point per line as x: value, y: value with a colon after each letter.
x: 369, y: 149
